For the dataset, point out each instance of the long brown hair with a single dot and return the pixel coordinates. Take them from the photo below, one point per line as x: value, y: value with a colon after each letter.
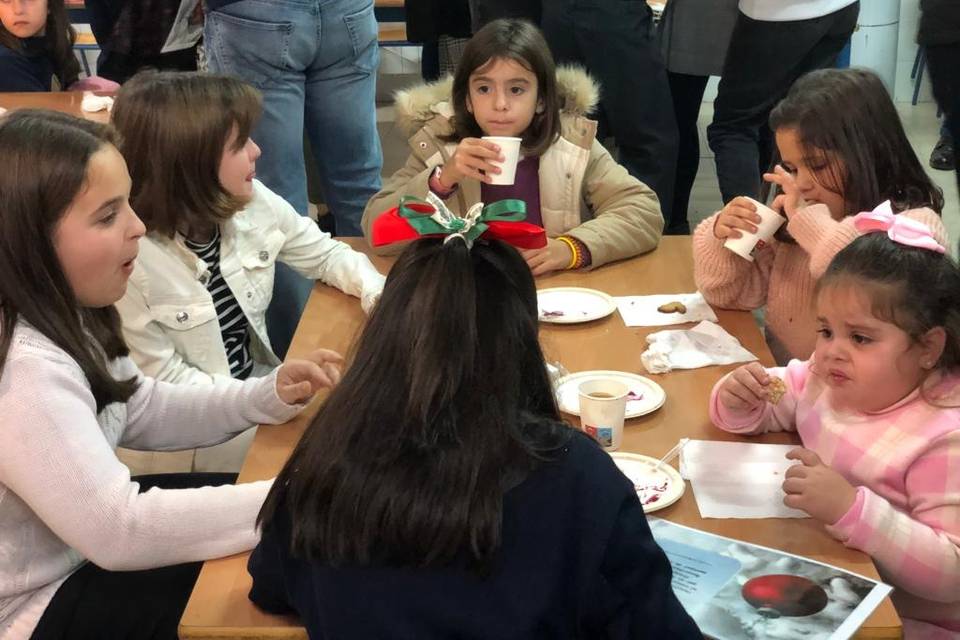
x: 59, y: 37
x: 45, y: 159
x: 847, y: 114
x: 445, y: 406
x: 520, y: 41
x: 175, y: 126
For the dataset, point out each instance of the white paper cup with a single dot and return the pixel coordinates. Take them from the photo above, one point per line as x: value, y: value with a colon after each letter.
x: 510, y: 148
x: 747, y: 244
x: 603, y: 403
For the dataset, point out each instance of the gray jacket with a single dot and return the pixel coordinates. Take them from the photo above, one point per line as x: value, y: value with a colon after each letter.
x: 694, y: 35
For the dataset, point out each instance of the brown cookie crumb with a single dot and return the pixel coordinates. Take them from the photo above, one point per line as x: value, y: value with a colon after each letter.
x: 775, y: 390
x: 672, y: 307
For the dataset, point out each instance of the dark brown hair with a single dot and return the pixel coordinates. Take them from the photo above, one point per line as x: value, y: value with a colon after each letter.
x: 175, y: 126
x: 446, y: 405
x: 45, y: 158
x: 914, y: 289
x: 59, y: 37
x: 847, y: 114
x: 520, y: 41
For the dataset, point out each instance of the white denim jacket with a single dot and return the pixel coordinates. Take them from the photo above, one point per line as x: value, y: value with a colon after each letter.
x: 169, y: 321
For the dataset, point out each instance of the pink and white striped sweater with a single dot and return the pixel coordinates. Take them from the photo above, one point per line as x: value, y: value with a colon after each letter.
x: 783, y: 276
x: 905, y: 463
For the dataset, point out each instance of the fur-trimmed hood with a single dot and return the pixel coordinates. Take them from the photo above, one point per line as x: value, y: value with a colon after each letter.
x: 414, y: 107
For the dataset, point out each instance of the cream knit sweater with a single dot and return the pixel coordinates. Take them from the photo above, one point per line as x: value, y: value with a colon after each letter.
x: 65, y: 498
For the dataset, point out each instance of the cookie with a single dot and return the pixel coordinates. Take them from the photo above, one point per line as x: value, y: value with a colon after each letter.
x: 672, y: 307
x: 775, y: 390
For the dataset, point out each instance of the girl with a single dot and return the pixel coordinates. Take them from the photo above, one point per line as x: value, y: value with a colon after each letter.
x: 455, y: 503
x: 506, y: 85
x: 196, y: 306
x: 843, y: 150
x: 876, y: 408
x: 69, y: 395
x: 36, y: 46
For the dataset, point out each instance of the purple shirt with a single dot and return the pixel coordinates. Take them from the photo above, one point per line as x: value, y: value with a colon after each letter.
x: 526, y: 187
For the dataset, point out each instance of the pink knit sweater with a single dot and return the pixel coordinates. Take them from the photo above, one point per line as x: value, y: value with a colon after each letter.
x: 784, y: 275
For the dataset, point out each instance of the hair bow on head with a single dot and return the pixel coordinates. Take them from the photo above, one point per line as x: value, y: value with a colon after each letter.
x: 899, y: 228
x: 415, y: 218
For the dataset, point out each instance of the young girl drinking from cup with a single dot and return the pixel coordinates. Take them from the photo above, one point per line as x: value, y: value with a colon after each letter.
x: 437, y: 494
x: 506, y: 86
x: 843, y: 150
x: 877, y: 409
x: 196, y: 306
x: 71, y: 519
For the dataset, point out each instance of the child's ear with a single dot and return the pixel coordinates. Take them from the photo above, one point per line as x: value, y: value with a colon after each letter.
x: 932, y: 344
x: 469, y: 105
x: 540, y: 107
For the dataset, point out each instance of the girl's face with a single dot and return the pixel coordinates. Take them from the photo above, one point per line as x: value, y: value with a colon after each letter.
x: 96, y: 240
x: 868, y: 363
x: 814, y: 175
x: 24, y: 18
x: 503, y: 98
x: 238, y: 165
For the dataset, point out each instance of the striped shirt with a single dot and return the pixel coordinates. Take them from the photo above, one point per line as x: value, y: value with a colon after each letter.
x: 233, y: 323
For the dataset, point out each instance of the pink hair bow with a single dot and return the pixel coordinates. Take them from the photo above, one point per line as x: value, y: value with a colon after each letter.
x: 899, y: 228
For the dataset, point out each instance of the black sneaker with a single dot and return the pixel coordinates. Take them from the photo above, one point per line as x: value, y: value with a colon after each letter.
x: 942, y: 156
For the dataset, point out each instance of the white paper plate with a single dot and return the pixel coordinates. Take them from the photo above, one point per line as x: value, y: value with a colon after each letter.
x: 569, y: 305
x: 656, y: 489
x: 652, y: 394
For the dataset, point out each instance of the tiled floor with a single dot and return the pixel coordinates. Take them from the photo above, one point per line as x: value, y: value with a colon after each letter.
x: 919, y: 121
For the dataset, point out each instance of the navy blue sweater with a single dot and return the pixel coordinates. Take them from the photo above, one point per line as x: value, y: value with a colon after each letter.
x: 577, y: 561
x: 27, y: 70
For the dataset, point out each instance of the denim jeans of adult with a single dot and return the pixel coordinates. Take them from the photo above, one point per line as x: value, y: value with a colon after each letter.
x: 316, y: 63
x: 943, y: 61
x: 764, y: 60
x: 614, y: 41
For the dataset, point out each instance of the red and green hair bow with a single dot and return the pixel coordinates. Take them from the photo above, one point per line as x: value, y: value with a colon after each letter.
x: 415, y: 218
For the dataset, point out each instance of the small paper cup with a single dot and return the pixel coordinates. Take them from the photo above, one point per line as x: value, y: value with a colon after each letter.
x: 603, y: 404
x: 747, y: 244
x: 510, y: 148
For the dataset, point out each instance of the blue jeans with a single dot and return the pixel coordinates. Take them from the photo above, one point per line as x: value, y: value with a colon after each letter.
x: 316, y: 63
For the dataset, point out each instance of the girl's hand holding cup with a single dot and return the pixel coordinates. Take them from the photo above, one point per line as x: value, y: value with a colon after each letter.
x: 473, y: 158
x: 746, y: 389
x: 738, y: 216
x: 299, y: 379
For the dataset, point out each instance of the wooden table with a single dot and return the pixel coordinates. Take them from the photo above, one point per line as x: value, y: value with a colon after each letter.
x: 219, y: 607
x: 65, y: 101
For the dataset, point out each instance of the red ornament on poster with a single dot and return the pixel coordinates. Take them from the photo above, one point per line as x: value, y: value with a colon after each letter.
x: 784, y: 595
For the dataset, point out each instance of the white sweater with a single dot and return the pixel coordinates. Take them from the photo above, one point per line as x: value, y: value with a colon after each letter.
x: 783, y: 10
x: 65, y: 497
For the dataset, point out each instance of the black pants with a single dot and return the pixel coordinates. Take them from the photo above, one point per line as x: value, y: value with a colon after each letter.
x: 614, y: 41
x: 764, y: 60
x: 126, y: 605
x: 943, y: 61
x: 687, y: 94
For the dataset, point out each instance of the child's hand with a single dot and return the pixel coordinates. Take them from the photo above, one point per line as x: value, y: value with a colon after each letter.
x: 471, y: 159
x: 788, y: 202
x: 556, y: 255
x: 745, y: 389
x: 814, y: 487
x: 298, y: 380
x: 739, y: 215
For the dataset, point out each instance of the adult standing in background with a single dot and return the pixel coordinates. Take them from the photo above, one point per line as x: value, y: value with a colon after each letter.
x: 614, y: 41
x: 315, y: 61
x: 694, y: 35
x: 774, y: 42
x: 443, y: 26
x: 940, y: 34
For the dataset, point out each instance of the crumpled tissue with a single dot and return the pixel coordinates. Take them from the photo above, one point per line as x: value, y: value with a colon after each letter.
x: 701, y: 346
